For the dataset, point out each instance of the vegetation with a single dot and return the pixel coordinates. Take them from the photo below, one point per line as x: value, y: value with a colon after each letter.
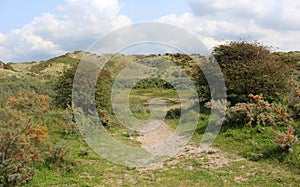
x: 20, y: 146
x: 40, y: 144
x: 250, y: 68
x: 64, y: 88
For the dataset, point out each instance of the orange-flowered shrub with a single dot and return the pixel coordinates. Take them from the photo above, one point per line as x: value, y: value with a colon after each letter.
x: 286, y: 140
x: 21, y: 144
x: 29, y: 102
x: 258, y: 112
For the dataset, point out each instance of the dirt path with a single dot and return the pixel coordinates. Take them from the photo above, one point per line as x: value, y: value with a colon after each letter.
x: 154, y: 137
x: 212, y: 158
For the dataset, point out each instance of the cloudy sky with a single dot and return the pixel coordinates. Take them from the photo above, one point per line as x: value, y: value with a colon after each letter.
x: 34, y: 30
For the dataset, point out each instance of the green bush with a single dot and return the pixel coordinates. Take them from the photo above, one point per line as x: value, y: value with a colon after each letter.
x: 84, y: 97
x: 152, y: 83
x: 292, y: 100
x: 173, y: 113
x: 64, y: 88
x: 250, y: 68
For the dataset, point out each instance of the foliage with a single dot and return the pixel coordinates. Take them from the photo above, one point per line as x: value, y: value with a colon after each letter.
x: 258, y: 112
x: 286, y: 140
x: 13, y: 85
x: 8, y: 66
x: 29, y: 102
x: 21, y: 141
x: 292, y: 100
x: 20, y: 145
x: 64, y: 88
x: 57, y: 157
x: 290, y: 58
x: 173, y: 113
x: 250, y: 68
x: 152, y: 83
x: 180, y: 59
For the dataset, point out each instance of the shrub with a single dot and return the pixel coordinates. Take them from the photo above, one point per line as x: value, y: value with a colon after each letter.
x: 293, y: 100
x: 68, y: 126
x: 29, y: 102
x: 104, y: 118
x: 290, y: 57
x: 258, y: 112
x: 7, y: 66
x: 152, y: 83
x: 250, y: 68
x: 20, y: 146
x: 173, y: 113
x: 285, y: 140
x: 11, y: 86
x: 64, y: 88
x: 57, y: 157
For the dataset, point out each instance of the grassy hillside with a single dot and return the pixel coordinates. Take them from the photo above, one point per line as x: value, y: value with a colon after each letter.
x: 241, y: 155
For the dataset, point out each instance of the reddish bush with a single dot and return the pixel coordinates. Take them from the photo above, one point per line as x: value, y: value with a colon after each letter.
x: 259, y: 112
x: 29, y: 102
x: 20, y: 146
x: 285, y: 140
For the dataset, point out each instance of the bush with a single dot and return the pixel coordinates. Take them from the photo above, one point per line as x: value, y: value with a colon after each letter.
x: 21, y: 142
x: 20, y: 146
x: 152, y: 83
x: 258, y: 112
x: 293, y: 100
x: 173, y: 113
x: 29, y: 102
x: 250, y: 68
x: 12, y: 86
x: 64, y: 88
x: 7, y: 66
x: 285, y: 140
x: 57, y: 157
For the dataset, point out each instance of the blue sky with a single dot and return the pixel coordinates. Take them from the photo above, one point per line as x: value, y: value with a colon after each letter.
x: 34, y: 30
x: 15, y: 13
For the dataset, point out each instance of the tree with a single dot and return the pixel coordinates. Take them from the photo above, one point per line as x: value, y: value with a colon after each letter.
x: 250, y: 68
x: 64, y: 88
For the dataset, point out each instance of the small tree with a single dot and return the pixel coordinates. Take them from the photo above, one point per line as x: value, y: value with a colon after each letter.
x: 250, y: 68
x: 64, y: 88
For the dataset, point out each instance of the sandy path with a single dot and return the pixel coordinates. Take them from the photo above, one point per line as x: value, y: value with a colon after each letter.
x: 212, y: 158
x: 156, y: 136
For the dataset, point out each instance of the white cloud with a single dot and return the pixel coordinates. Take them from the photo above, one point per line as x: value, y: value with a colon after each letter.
x: 80, y: 22
x: 273, y: 23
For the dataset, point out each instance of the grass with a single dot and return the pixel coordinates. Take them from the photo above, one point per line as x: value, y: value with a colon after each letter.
x: 65, y: 59
x: 253, y: 158
x: 92, y: 170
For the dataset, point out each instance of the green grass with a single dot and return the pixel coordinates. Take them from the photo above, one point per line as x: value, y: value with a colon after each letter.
x: 260, y: 163
x: 92, y: 170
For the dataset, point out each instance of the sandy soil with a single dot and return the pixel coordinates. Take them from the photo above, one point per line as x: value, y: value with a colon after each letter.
x: 212, y: 158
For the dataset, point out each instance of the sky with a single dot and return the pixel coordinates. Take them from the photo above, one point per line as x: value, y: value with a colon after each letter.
x: 35, y: 30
